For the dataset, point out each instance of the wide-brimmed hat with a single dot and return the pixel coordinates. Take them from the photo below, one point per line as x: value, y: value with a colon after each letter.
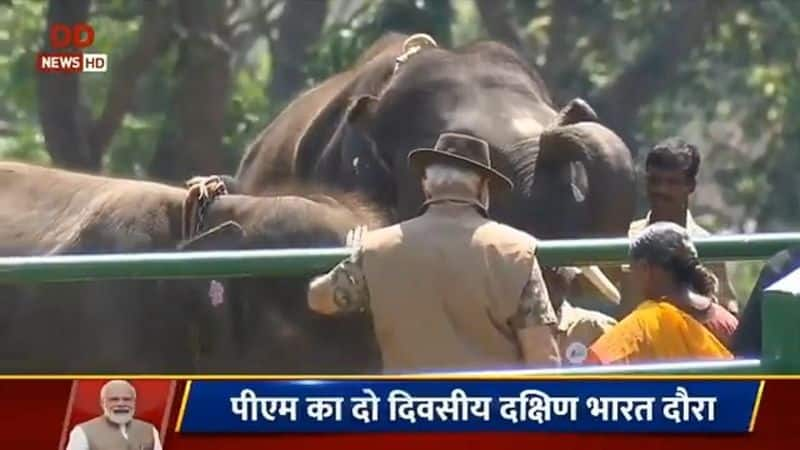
x: 460, y: 149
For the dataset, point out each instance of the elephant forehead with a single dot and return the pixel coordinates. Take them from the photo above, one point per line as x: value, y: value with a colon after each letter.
x: 504, y: 126
x: 526, y: 125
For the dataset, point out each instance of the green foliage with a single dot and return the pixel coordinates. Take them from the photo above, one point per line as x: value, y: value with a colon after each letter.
x: 246, y: 115
x: 466, y: 27
x: 746, y: 75
x: 743, y: 275
x: 342, y: 43
x: 21, y: 26
x: 133, y: 146
x: 417, y: 16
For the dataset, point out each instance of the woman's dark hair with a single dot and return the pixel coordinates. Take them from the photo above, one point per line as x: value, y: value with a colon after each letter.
x: 669, y: 246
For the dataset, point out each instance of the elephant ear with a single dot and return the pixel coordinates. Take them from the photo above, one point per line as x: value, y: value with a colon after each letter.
x: 320, y: 132
x: 361, y: 116
x: 577, y: 110
x: 609, y: 171
x: 358, y: 113
x: 362, y: 110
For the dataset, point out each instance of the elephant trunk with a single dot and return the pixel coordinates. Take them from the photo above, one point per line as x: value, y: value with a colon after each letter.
x: 608, y: 167
x: 609, y: 197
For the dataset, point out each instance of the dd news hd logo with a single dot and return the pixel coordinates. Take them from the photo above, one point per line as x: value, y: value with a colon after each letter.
x: 67, y: 44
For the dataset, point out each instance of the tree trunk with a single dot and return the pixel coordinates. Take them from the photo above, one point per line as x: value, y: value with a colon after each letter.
x: 299, y: 28
x: 73, y: 139
x: 498, y: 19
x: 155, y: 35
x: 559, y: 68
x: 192, y: 141
x: 64, y: 121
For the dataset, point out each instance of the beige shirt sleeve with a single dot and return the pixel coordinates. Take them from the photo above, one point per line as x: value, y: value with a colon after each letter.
x: 342, y: 290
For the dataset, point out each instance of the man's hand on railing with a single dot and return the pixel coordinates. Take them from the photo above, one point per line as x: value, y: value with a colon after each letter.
x: 355, y: 237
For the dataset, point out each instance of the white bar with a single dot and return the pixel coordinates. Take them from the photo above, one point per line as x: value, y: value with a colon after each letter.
x: 95, y: 62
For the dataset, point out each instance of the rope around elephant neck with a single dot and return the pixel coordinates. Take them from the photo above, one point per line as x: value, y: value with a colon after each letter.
x: 201, y: 194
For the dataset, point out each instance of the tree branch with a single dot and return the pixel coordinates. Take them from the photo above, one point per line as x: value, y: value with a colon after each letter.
x: 192, y: 141
x: 154, y: 37
x: 299, y: 27
x: 655, y: 70
x: 246, y: 30
x: 260, y: 17
x: 498, y: 19
x: 232, y: 6
x: 560, y: 45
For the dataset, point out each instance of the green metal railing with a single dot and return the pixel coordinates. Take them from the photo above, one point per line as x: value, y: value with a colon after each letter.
x: 294, y: 262
x: 781, y: 333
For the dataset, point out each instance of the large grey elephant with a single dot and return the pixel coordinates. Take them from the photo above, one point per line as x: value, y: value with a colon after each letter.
x: 573, y: 176
x: 250, y: 324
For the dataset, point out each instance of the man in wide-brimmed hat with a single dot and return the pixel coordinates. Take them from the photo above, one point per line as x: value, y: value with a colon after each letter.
x: 450, y: 289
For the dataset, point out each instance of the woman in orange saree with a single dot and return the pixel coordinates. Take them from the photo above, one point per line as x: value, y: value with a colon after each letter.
x: 678, y: 316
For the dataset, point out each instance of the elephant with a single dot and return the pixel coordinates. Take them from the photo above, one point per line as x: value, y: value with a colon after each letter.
x: 573, y: 176
x: 252, y: 324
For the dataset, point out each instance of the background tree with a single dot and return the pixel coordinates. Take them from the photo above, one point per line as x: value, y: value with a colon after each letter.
x: 192, y: 140
x: 298, y: 29
x: 73, y: 138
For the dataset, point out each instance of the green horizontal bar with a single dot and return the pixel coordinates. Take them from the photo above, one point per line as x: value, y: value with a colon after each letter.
x: 735, y: 247
x: 297, y: 262
x: 220, y: 264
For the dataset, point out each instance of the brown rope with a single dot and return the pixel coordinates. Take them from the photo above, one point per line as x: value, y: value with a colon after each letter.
x: 202, y: 191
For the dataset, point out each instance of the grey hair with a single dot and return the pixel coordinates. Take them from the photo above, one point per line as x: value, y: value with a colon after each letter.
x: 111, y: 383
x: 446, y: 177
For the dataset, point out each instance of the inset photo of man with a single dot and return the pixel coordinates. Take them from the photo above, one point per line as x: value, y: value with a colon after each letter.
x: 119, y: 423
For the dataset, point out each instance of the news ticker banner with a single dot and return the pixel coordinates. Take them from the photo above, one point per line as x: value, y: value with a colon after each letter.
x: 624, y: 406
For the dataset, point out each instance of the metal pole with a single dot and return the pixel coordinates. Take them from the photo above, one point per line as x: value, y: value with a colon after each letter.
x: 299, y: 262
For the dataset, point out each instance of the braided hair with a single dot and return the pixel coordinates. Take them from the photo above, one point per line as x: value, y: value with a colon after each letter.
x: 668, y: 245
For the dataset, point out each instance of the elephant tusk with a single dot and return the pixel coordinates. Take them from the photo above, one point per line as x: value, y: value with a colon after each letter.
x: 602, y: 283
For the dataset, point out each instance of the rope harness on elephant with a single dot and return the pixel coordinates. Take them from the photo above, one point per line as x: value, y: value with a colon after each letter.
x: 202, y: 191
x: 413, y: 45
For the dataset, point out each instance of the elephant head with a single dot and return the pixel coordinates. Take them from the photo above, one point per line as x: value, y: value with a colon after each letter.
x: 573, y: 176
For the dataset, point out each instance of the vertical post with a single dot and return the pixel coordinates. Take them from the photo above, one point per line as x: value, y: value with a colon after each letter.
x: 780, y: 325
